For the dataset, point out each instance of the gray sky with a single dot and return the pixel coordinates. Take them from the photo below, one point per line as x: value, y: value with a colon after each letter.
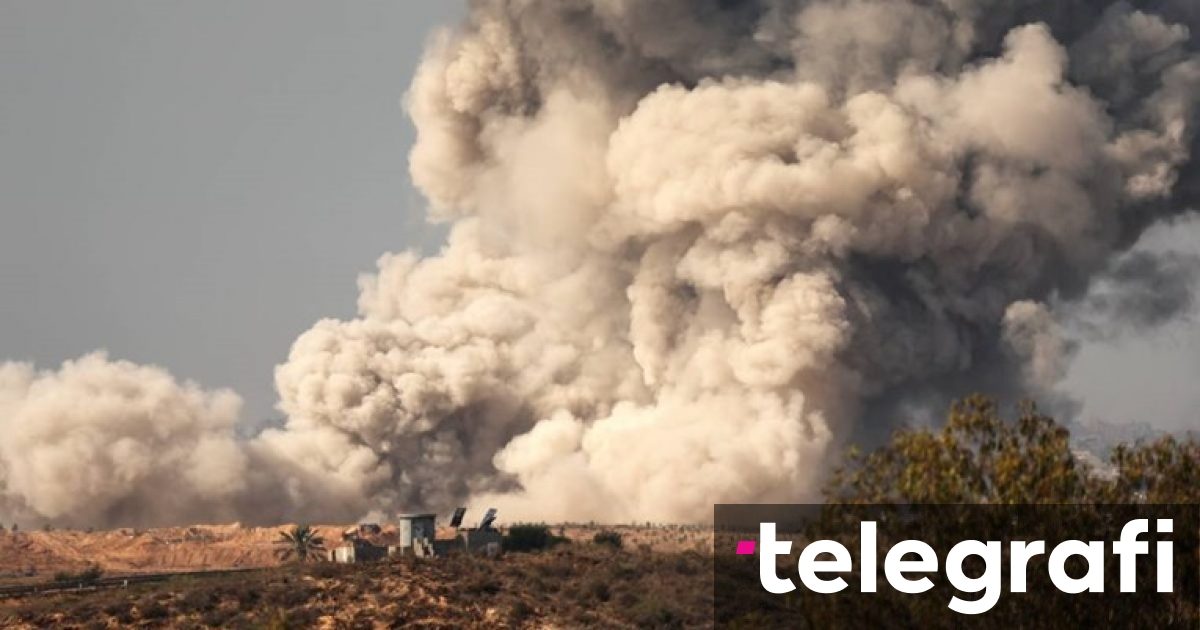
x: 1146, y: 375
x: 192, y: 184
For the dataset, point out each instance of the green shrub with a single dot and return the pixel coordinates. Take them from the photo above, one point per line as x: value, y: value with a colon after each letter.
x: 278, y: 620
x: 197, y: 600
x: 216, y: 618
x: 482, y: 585
x: 609, y: 538
x: 288, y: 596
x: 86, y: 576
x: 598, y: 590
x: 520, y: 612
x: 150, y: 609
x: 530, y: 537
x: 652, y: 612
x: 326, y: 570
x: 248, y: 598
x: 285, y: 619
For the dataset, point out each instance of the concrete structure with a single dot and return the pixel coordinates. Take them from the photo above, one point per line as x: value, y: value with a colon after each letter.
x: 358, y: 550
x: 362, y: 530
x: 415, y: 530
x: 480, y: 541
x: 416, y: 535
x: 485, y: 542
x: 440, y: 548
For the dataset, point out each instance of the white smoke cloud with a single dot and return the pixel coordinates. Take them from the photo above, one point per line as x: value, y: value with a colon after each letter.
x: 1039, y: 343
x: 100, y: 441
x: 697, y: 246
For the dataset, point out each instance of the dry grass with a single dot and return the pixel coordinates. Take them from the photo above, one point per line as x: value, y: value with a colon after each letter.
x: 571, y: 586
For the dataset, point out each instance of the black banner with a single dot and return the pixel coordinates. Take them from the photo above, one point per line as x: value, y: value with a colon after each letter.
x: 957, y: 566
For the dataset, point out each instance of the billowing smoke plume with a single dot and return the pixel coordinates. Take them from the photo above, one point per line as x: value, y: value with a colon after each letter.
x: 99, y: 440
x: 696, y: 246
x: 112, y: 443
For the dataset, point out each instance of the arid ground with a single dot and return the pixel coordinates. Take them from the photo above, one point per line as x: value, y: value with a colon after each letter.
x: 661, y: 577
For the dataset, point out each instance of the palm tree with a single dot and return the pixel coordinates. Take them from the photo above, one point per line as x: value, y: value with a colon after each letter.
x: 302, y: 543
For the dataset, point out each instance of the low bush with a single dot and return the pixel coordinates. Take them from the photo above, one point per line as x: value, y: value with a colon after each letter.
x: 197, y: 600
x: 150, y: 609
x: 653, y: 612
x: 216, y: 618
x: 609, y: 538
x: 326, y: 570
x: 288, y: 596
x: 598, y: 590
x: 520, y: 612
x: 482, y: 585
x: 89, y: 575
x: 530, y: 537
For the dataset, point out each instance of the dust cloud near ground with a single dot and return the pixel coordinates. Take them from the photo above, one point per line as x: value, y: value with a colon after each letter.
x: 694, y: 247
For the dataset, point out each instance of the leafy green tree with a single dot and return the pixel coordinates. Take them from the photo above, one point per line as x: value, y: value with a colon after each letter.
x: 1000, y: 478
x: 302, y: 543
x: 1166, y: 470
x: 976, y: 457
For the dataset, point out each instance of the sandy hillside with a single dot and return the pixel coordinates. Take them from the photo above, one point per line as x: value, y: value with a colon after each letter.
x: 134, y: 551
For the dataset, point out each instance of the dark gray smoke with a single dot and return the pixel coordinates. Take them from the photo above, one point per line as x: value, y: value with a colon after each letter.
x: 1142, y: 290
